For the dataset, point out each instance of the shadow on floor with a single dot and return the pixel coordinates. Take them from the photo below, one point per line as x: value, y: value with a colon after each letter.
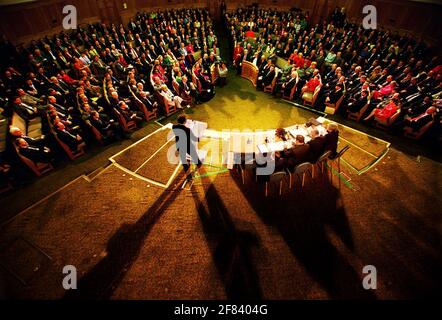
x: 122, y: 250
x: 305, y: 218
x: 230, y: 246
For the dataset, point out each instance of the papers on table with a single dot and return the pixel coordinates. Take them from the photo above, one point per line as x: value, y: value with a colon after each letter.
x: 197, y: 127
x: 274, y: 146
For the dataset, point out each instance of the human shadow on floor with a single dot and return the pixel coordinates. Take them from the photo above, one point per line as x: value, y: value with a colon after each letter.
x: 122, y: 251
x: 305, y: 219
x: 231, y: 247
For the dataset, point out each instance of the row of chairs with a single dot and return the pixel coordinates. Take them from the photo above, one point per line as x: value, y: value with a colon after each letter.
x: 300, y: 171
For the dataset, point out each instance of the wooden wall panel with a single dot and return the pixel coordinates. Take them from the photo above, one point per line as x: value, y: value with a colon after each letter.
x: 24, y: 22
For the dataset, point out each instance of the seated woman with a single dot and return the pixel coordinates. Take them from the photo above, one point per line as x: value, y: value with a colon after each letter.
x: 170, y: 98
x: 311, y: 85
x: 385, y: 111
x: 385, y: 90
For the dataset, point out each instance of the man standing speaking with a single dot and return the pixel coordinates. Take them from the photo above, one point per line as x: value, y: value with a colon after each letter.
x: 185, y: 141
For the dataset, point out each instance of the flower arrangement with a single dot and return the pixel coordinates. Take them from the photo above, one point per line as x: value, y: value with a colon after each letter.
x: 281, y: 133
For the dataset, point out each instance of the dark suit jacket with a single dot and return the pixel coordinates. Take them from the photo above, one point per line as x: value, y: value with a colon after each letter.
x: 298, y: 154
x: 181, y: 130
x: 316, y: 148
x: 331, y: 142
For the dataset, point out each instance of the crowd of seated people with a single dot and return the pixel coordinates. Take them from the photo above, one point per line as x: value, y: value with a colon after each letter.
x: 92, y: 82
x: 368, y: 75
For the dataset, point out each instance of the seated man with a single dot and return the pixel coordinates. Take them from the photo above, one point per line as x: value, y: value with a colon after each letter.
x: 71, y: 140
x: 267, y: 78
x: 128, y: 114
x: 17, y: 133
x: 188, y: 90
x: 27, y: 98
x: 25, y: 111
x: 316, y: 145
x: 107, y: 128
x: 299, y: 153
x: 358, y: 100
x: 35, y: 154
x: 145, y: 97
x: 418, y: 122
x: 290, y: 82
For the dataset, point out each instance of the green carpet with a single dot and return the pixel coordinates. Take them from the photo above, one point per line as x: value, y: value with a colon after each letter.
x: 240, y: 106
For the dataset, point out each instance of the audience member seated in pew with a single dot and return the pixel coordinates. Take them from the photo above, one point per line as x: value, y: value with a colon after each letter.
x: 24, y: 110
x: 107, y: 128
x: 72, y: 140
x: 416, y: 123
x: 129, y: 114
x: 266, y: 78
x: 188, y: 90
x: 170, y: 98
x: 35, y: 153
x: 33, y: 142
x: 386, y: 109
x: 145, y: 97
x: 357, y: 101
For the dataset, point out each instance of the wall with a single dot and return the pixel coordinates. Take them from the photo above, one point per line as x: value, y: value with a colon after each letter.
x: 423, y: 19
x: 23, y: 22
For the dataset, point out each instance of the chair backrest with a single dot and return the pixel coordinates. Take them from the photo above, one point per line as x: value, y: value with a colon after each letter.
x: 19, y: 122
x: 303, y: 167
x: 3, y: 132
x: 324, y: 156
x: 342, y: 151
x: 277, y: 176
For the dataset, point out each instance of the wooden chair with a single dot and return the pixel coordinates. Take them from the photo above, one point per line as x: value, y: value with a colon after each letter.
x: 386, y: 123
x: 127, y: 126
x: 358, y: 115
x: 37, y: 167
x: 292, y: 92
x: 409, y: 133
x: 168, y: 109
x: 332, y: 108
x: 71, y: 154
x: 176, y: 86
x: 272, y: 85
x: 310, y: 97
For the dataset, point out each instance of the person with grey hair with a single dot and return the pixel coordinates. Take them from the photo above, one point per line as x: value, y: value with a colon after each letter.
x: 316, y: 145
x: 17, y: 133
x: 331, y: 139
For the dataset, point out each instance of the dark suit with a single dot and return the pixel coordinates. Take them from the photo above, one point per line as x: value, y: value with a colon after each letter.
x: 185, y: 139
x: 297, y: 155
x: 316, y: 148
x: 331, y: 142
x: 35, y: 154
x: 69, y: 139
